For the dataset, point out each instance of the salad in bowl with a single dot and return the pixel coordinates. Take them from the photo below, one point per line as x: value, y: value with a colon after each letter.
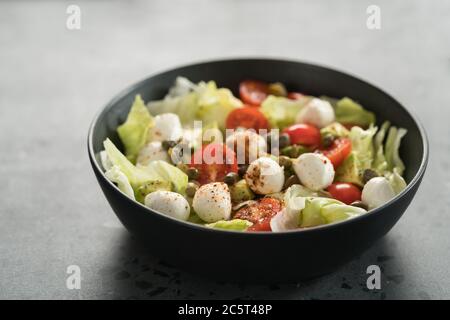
x: 268, y: 160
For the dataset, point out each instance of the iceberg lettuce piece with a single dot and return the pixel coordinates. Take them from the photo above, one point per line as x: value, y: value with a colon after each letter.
x: 334, y: 212
x: 350, y: 112
x: 362, y: 145
x: 311, y: 215
x: 184, y: 106
x: 320, y: 211
x: 294, y: 200
x: 379, y: 162
x: 134, y: 131
x: 202, y: 101
x: 117, y: 176
x: 396, y: 181
x: 136, y: 176
x: 392, y: 147
x: 281, y: 112
x: 214, y: 104
x: 235, y: 224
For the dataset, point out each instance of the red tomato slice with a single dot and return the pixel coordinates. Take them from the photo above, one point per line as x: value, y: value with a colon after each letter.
x: 345, y: 192
x: 261, y: 226
x: 260, y: 213
x: 253, y: 92
x: 247, y: 117
x: 295, y: 95
x: 338, y: 151
x: 214, y: 161
x: 304, y: 134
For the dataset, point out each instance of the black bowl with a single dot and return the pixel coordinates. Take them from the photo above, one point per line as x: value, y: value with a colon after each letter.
x: 261, y: 257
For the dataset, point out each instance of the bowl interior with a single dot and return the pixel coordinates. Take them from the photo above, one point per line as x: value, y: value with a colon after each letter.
x: 306, y: 78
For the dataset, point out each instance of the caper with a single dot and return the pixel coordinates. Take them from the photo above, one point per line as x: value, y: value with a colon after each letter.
x: 359, y: 204
x: 294, y: 151
x: 277, y: 89
x: 293, y: 179
x: 167, y: 144
x: 327, y: 140
x: 242, y: 169
x: 192, y: 188
x: 368, y: 174
x: 285, y: 162
x: 284, y: 140
x: 231, y: 178
x: 192, y: 173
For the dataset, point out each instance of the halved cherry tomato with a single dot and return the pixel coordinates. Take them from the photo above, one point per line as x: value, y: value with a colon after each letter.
x: 214, y: 161
x: 247, y: 117
x: 253, y: 92
x: 338, y: 151
x: 304, y: 134
x: 345, y: 192
x: 260, y: 213
x: 295, y: 95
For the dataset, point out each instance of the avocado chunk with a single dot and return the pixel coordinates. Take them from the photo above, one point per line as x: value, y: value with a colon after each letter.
x: 150, y: 187
x: 240, y: 191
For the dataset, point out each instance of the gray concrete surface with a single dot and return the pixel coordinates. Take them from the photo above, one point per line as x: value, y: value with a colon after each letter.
x: 53, y: 81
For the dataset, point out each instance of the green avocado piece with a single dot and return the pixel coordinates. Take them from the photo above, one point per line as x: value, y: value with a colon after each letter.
x: 240, y: 191
x: 150, y: 187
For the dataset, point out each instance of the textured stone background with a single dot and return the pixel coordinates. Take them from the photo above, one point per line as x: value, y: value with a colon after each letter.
x: 53, y: 81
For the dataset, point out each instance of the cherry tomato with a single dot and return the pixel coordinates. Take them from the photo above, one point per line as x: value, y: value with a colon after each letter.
x: 304, y: 134
x: 213, y: 162
x: 263, y: 225
x: 295, y: 95
x: 345, y: 192
x: 338, y: 151
x: 247, y: 117
x: 260, y: 213
x: 253, y: 92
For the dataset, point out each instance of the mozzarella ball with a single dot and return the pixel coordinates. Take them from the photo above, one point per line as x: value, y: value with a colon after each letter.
x: 167, y: 126
x: 212, y: 202
x: 169, y: 203
x: 376, y: 192
x: 248, y: 145
x: 264, y: 176
x: 314, y: 170
x: 317, y: 112
x: 151, y: 152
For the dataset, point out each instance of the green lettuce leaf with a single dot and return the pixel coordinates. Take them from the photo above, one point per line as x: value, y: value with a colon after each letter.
x: 202, y: 101
x: 136, y: 176
x: 362, y: 145
x: 392, y: 147
x: 235, y: 224
x: 379, y: 162
x: 214, y: 104
x: 320, y: 211
x: 349, y: 112
x: 281, y: 112
x: 133, y: 133
x: 117, y: 176
x: 396, y: 181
